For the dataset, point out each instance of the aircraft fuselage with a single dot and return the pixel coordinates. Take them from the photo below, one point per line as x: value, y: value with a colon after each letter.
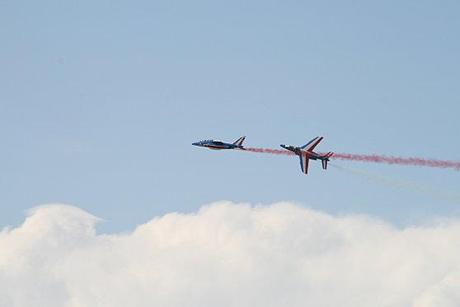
x: 298, y: 151
x: 306, y: 153
x: 217, y: 145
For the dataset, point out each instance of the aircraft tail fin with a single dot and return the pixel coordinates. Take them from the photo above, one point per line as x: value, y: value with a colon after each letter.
x: 326, y: 159
x: 240, y: 141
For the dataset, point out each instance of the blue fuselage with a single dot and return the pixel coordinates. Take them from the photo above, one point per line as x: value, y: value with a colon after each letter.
x: 216, y: 145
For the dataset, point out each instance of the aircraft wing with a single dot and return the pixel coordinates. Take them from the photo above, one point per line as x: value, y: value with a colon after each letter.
x: 304, y: 163
x: 312, y: 144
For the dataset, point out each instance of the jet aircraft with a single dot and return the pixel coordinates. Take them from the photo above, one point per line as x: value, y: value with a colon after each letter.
x: 306, y: 153
x: 218, y: 145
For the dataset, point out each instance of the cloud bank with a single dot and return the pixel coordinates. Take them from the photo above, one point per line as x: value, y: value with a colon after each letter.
x: 229, y: 254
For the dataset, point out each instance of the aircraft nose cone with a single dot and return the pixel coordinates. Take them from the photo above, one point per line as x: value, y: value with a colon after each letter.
x: 196, y: 143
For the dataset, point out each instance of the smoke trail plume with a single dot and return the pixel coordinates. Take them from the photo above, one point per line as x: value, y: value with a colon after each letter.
x: 402, y: 184
x: 270, y: 151
x: 374, y: 158
x: 399, y: 160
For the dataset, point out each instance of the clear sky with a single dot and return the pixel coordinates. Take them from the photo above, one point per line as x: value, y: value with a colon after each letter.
x: 101, y: 100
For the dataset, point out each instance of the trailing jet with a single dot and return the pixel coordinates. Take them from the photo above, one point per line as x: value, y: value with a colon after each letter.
x: 217, y: 145
x: 306, y: 153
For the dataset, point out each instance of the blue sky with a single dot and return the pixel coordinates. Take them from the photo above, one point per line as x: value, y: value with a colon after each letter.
x: 100, y: 102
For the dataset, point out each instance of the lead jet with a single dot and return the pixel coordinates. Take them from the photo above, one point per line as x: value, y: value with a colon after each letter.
x: 306, y: 153
x: 218, y: 145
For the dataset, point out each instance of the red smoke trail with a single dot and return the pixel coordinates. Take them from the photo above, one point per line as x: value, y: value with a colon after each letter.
x: 398, y: 160
x: 373, y: 158
x: 271, y: 151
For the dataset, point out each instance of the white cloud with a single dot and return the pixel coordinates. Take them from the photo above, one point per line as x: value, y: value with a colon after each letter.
x: 229, y: 255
